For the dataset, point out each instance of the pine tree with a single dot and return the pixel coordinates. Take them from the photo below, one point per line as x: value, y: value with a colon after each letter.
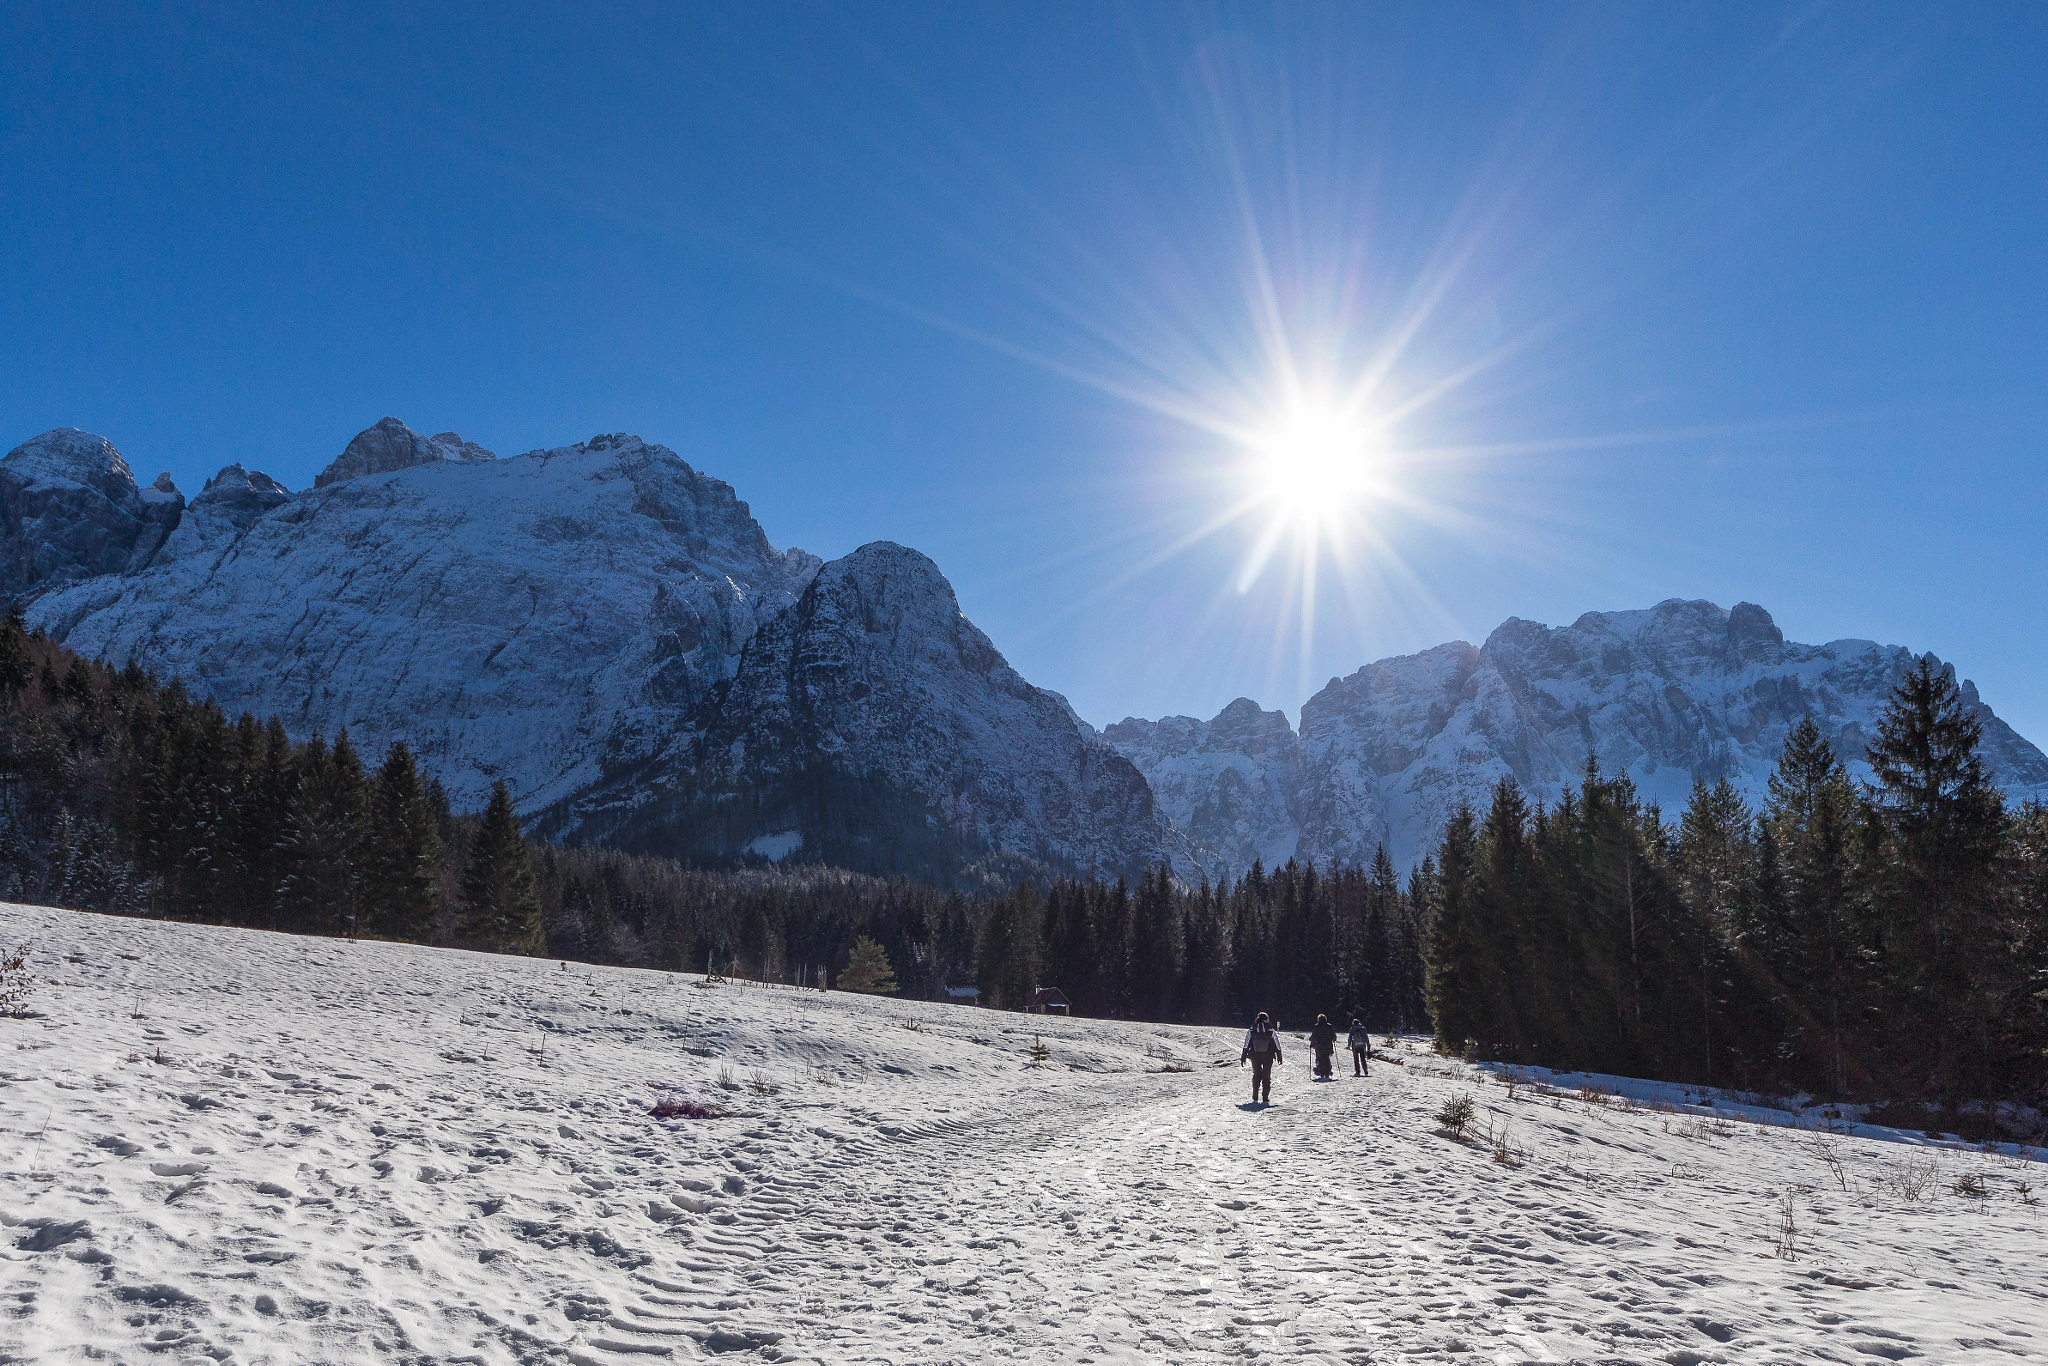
x: 1822, y: 960
x: 1008, y: 952
x: 1155, y: 946
x: 322, y: 840
x: 16, y: 673
x: 401, y: 854
x: 500, y: 906
x: 1943, y: 819
x: 1454, y: 958
x: 868, y: 970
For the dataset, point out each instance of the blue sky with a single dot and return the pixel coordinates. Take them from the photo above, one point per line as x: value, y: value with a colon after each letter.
x: 1627, y: 302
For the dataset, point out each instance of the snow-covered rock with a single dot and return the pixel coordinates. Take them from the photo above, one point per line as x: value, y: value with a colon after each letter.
x: 391, y: 445
x: 70, y: 509
x: 873, y: 726
x: 1679, y: 691
x: 510, y: 618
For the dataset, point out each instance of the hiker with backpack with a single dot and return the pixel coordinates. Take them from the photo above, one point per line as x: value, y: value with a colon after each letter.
x: 1361, y: 1048
x: 1323, y: 1038
x: 1261, y: 1050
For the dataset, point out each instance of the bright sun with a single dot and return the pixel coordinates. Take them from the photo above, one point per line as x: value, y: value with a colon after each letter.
x: 1313, y: 466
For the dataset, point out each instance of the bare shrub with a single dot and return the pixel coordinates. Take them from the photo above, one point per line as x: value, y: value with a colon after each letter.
x: 761, y: 1084
x: 1828, y: 1150
x: 1909, y: 1179
x: 1700, y: 1126
x: 1970, y: 1184
x: 1788, y: 1224
x: 17, y: 983
x: 670, y: 1107
x: 1456, y: 1116
x: 727, y: 1079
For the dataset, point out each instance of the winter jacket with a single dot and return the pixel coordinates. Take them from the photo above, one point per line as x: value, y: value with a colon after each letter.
x: 1361, y: 1038
x: 1323, y: 1037
x: 1273, y: 1034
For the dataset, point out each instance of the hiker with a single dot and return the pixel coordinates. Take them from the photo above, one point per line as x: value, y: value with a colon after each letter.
x: 1262, y: 1050
x: 1323, y: 1038
x: 1361, y: 1048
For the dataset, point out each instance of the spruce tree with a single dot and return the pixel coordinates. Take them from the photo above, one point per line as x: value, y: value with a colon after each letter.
x: 1454, y: 959
x: 500, y: 905
x: 1008, y: 952
x: 1155, y: 946
x: 323, y: 839
x: 1943, y: 819
x: 16, y: 673
x: 1822, y: 960
x: 867, y: 970
x: 401, y: 854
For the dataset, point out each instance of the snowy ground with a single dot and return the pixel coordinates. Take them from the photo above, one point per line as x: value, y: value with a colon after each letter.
x: 226, y: 1146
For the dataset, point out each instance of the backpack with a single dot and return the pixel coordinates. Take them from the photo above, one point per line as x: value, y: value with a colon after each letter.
x: 1262, y: 1038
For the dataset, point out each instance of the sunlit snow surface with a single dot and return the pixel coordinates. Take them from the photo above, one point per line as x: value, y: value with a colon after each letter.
x: 244, y: 1147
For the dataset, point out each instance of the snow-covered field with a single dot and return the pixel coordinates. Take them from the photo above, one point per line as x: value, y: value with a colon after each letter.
x: 227, y: 1146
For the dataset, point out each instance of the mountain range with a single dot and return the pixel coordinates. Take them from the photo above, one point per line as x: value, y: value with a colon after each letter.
x: 609, y: 631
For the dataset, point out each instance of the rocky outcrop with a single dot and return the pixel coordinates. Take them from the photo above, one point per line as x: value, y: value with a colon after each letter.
x: 1234, y: 784
x: 70, y: 510
x: 1670, y: 694
x: 870, y: 725
x: 233, y: 501
x: 391, y: 445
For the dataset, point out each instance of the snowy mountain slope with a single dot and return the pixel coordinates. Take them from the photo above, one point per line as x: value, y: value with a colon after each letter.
x: 871, y: 725
x: 228, y: 1146
x: 510, y: 618
x: 1674, y: 692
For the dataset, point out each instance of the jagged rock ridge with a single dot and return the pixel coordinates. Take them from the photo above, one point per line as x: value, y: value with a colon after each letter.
x: 871, y: 725
x: 1679, y: 691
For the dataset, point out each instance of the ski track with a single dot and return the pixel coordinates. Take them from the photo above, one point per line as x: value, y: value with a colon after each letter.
x: 353, y: 1152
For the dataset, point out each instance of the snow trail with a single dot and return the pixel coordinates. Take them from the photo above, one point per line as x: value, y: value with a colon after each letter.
x: 226, y: 1146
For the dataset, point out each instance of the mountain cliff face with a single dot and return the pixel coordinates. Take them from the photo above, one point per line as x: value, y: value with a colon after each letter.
x: 510, y: 618
x: 70, y: 509
x: 1679, y: 691
x: 872, y: 726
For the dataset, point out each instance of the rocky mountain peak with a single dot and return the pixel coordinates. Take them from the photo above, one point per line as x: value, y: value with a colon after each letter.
x: 391, y: 445
x: 67, y: 455
x: 70, y: 509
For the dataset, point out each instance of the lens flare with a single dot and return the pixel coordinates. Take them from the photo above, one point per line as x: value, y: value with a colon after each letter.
x: 1313, y: 467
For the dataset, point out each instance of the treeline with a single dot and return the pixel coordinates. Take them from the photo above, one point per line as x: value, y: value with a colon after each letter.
x: 1888, y: 939
x: 118, y: 793
x: 1882, y: 939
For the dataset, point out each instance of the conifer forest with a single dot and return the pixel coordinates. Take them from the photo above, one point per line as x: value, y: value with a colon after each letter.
x: 1885, y: 939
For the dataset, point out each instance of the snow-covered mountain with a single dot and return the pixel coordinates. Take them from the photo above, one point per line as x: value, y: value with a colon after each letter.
x: 873, y: 726
x: 578, y: 622
x: 1678, y: 691
x: 510, y: 618
x: 610, y: 631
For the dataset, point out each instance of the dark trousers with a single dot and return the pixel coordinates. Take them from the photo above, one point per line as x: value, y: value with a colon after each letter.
x: 1262, y: 1077
x: 1358, y: 1062
x: 1323, y: 1062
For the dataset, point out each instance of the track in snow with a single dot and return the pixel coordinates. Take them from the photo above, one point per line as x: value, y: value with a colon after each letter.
x: 371, y: 1152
